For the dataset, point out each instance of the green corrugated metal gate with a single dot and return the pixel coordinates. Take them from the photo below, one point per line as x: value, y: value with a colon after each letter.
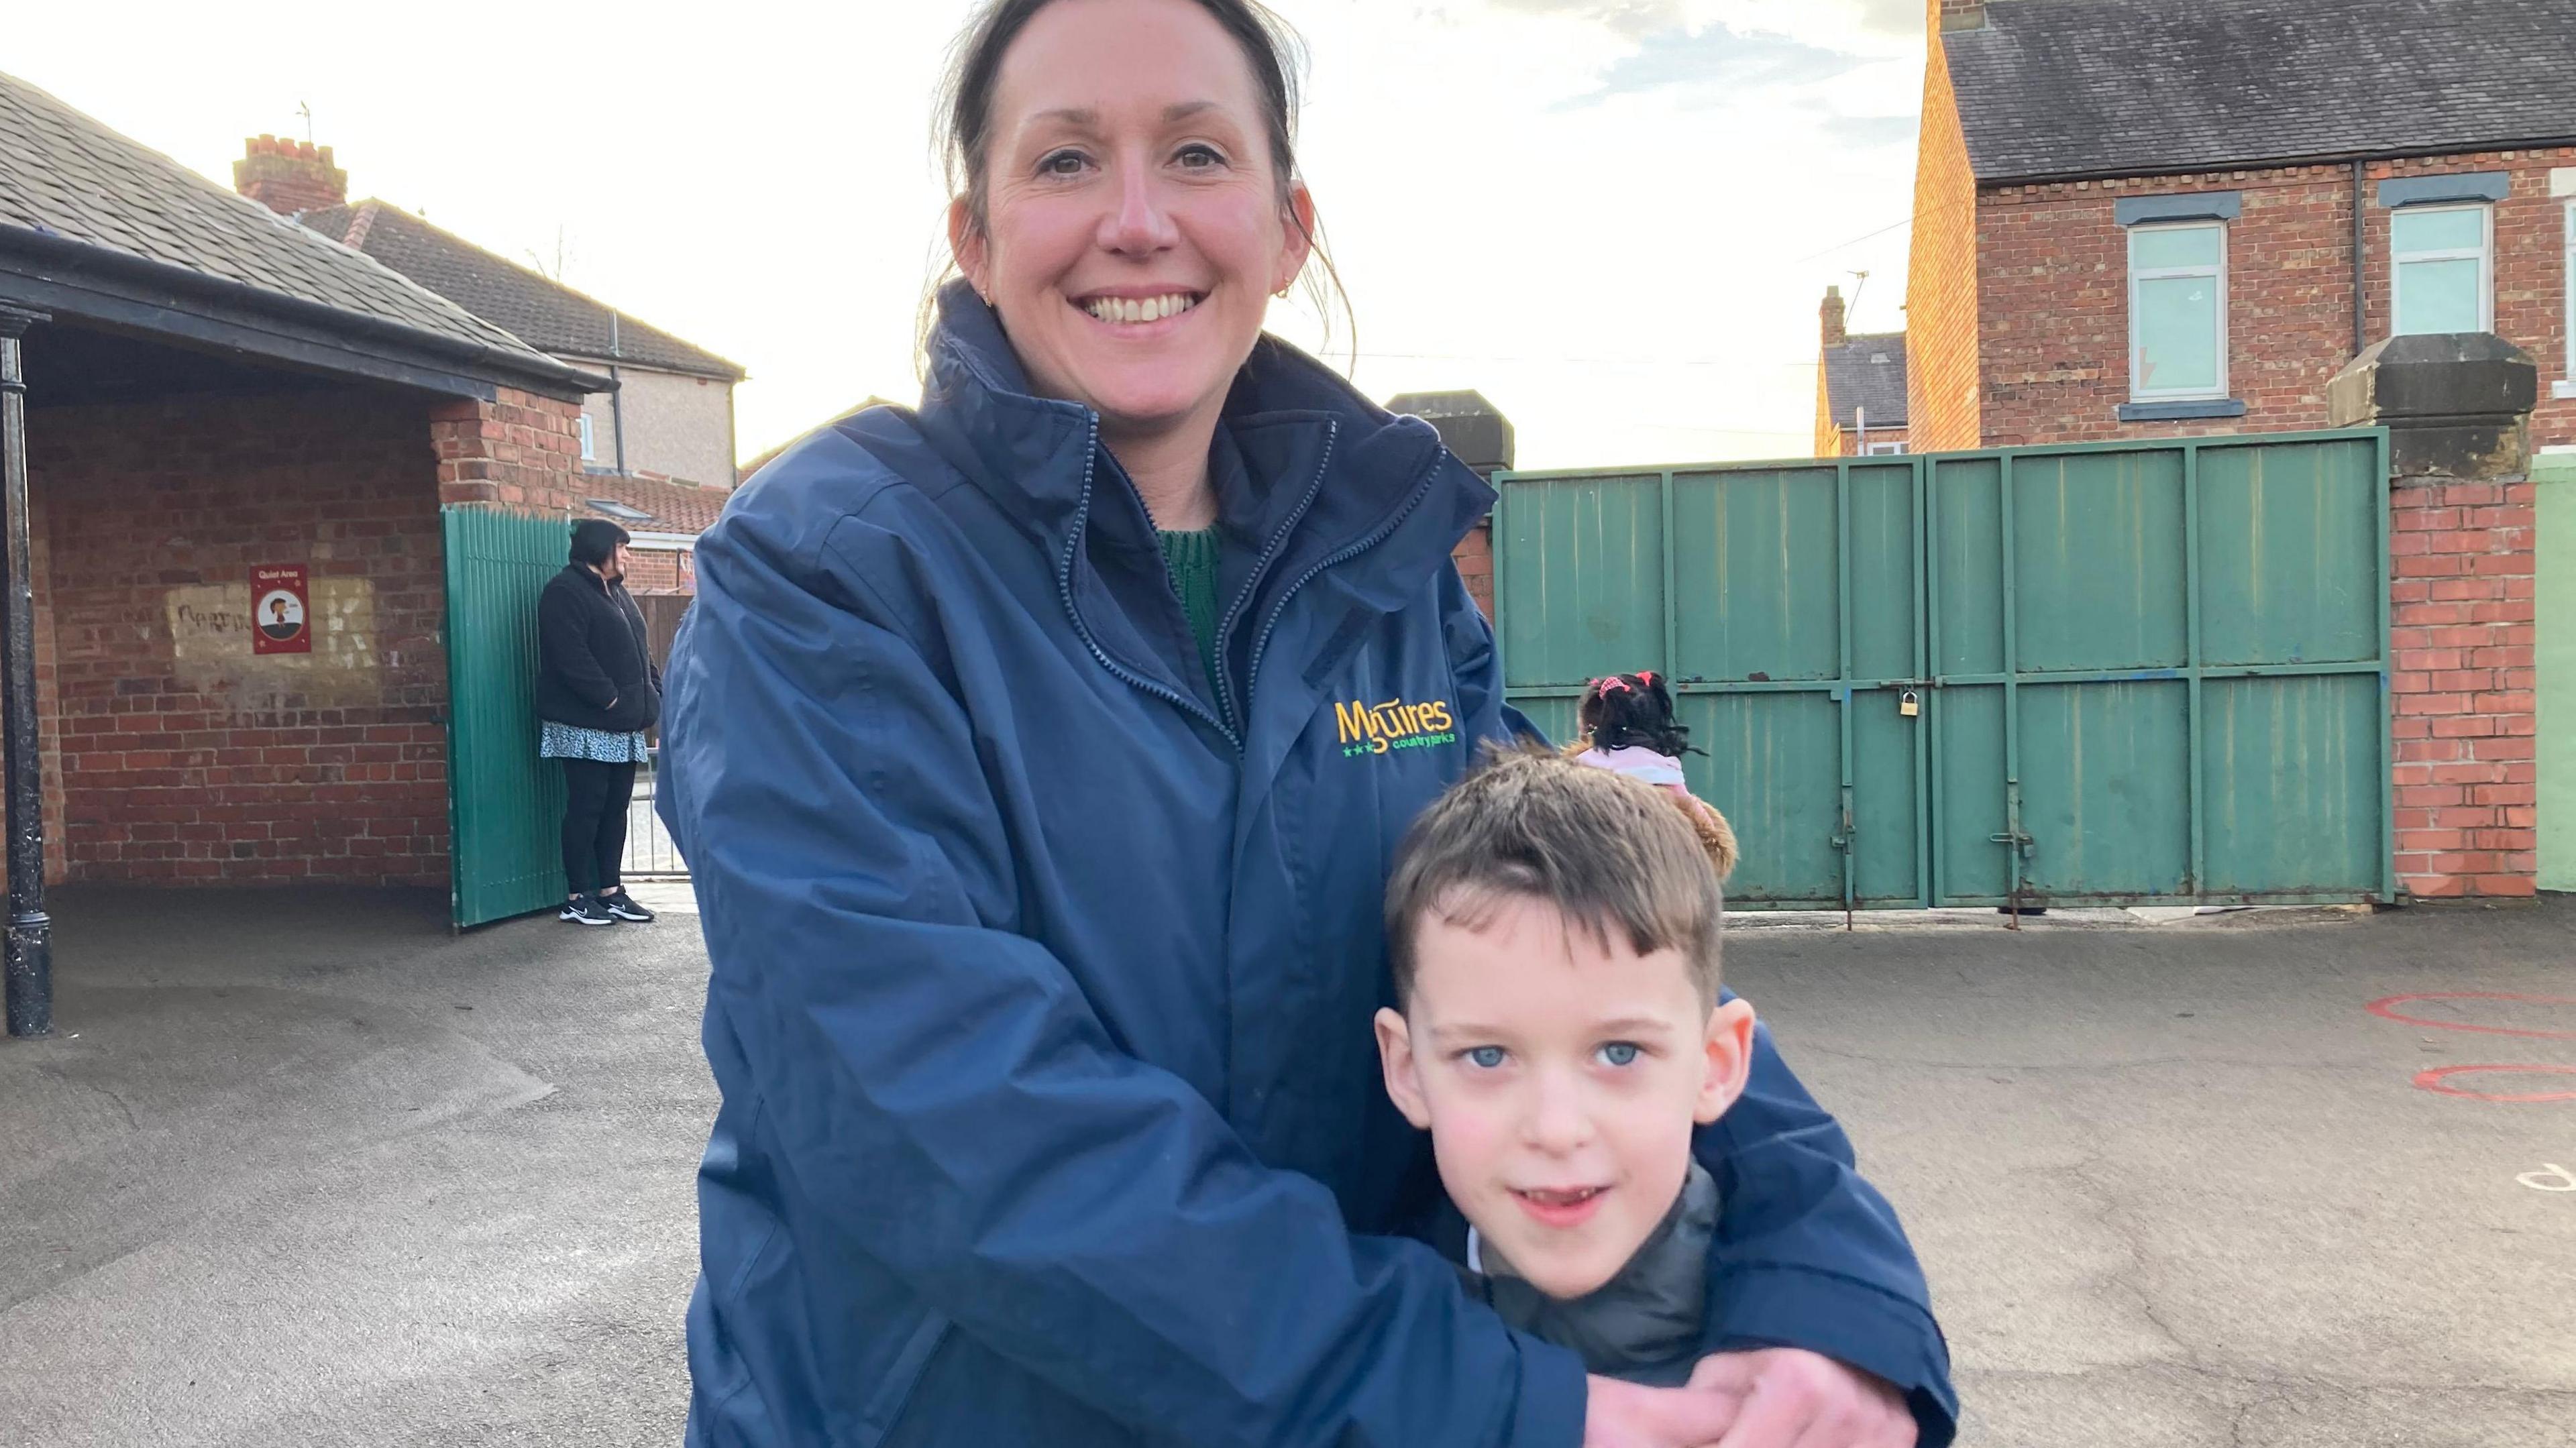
x: 505, y: 804
x: 2115, y: 673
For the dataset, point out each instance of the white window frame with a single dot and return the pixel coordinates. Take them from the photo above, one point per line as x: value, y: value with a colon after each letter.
x: 2567, y: 319
x: 2484, y: 256
x: 2216, y: 272
x: 589, y: 451
x: 1884, y: 449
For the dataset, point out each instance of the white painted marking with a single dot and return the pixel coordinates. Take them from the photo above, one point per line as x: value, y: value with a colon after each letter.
x: 2550, y: 1178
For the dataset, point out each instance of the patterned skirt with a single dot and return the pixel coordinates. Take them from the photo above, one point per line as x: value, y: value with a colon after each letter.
x: 565, y: 741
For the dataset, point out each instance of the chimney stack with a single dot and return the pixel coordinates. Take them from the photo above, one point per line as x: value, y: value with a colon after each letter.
x: 1948, y: 15
x: 289, y: 177
x: 1835, y: 335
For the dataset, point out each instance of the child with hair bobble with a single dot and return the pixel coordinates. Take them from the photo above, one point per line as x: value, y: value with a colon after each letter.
x: 1628, y: 728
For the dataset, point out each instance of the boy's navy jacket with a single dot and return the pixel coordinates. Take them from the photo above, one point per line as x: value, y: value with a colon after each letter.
x: 1043, y: 969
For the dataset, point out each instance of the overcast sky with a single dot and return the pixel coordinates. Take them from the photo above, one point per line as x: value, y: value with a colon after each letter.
x: 1613, y: 217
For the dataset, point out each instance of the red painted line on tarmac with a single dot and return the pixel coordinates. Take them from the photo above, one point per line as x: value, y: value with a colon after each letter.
x: 2437, y: 1078
x: 2386, y: 1009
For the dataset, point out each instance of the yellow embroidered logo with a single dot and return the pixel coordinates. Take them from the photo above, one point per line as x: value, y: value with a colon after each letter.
x: 1367, y: 728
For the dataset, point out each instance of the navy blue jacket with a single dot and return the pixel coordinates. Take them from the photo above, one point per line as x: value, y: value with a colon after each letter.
x: 1043, y: 969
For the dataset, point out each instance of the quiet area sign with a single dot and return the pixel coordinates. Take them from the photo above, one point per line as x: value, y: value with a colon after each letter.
x: 281, y: 611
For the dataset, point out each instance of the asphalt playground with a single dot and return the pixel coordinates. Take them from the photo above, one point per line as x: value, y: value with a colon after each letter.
x: 308, y: 1170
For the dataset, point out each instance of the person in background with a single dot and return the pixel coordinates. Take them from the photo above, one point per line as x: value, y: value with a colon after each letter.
x: 1629, y: 728
x: 597, y: 692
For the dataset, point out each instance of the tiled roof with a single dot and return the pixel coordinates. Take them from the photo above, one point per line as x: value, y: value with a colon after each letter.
x: 669, y: 506
x: 2066, y: 88
x: 544, y: 312
x: 66, y: 178
x: 1867, y: 370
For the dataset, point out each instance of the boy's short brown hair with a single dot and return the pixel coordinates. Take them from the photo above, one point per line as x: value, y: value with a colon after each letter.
x: 1606, y: 850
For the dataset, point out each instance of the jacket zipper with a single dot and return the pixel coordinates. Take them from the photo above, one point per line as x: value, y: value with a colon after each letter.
x: 1064, y: 588
x: 1413, y: 500
x: 1269, y: 551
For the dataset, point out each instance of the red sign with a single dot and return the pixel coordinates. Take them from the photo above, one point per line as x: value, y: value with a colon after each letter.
x: 281, y: 612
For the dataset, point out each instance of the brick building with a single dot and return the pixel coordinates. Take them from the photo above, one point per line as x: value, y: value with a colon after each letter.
x: 2161, y: 217
x: 671, y: 414
x: 212, y: 390
x: 1860, y: 387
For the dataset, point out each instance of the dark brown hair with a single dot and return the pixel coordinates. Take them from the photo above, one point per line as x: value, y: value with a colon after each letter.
x: 1633, y: 711
x: 962, y: 128
x: 1609, y: 852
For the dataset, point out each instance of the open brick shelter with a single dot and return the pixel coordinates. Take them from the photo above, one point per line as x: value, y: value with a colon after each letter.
x: 214, y: 388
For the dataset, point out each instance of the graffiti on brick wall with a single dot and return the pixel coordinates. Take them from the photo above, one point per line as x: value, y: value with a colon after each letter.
x: 211, y: 627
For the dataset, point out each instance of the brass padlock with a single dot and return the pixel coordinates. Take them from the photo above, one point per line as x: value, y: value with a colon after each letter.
x: 1909, y: 704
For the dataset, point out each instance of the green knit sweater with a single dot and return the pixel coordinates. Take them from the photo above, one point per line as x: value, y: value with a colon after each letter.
x: 1191, y: 560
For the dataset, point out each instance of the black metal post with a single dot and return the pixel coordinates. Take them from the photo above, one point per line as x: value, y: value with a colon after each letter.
x: 30, y: 951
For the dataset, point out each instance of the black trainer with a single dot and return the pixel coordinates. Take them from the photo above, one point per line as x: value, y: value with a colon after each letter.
x: 586, y: 910
x: 626, y: 907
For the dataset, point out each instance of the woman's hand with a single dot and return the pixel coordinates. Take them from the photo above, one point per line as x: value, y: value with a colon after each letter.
x: 1624, y: 1415
x: 1786, y: 1395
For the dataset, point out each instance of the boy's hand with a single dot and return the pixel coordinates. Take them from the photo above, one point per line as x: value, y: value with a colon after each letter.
x: 1790, y: 1396
x: 1624, y: 1415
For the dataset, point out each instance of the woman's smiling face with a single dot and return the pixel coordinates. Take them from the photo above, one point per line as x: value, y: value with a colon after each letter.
x: 1134, y: 220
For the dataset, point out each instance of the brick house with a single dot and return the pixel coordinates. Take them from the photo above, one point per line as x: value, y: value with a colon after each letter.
x: 213, y: 389
x: 2140, y: 218
x: 1860, y: 387
x: 671, y: 414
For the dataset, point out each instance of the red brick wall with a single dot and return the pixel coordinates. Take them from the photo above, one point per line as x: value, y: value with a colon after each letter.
x: 181, y: 758
x: 520, y: 451
x: 2052, y: 272
x: 2462, y: 609
x: 1941, y: 272
x: 1475, y: 558
x: 654, y: 570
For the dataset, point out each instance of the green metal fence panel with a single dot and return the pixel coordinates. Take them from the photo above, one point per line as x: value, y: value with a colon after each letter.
x: 2554, y: 478
x: 506, y: 805
x: 1589, y: 555
x: 2130, y: 672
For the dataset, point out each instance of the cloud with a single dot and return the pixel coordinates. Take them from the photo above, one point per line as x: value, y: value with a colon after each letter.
x: 1867, y: 131
x: 1716, y: 61
x: 1634, y: 19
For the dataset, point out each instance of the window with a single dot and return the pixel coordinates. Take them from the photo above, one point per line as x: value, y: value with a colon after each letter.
x: 1883, y: 449
x: 588, y: 453
x: 2567, y: 319
x: 2178, y: 312
x: 2443, y: 258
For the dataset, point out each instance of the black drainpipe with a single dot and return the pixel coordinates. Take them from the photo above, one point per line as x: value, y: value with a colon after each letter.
x: 2360, y: 257
x: 617, y: 395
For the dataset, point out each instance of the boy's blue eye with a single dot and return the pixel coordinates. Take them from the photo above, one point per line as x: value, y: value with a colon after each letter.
x: 1619, y: 1053
x: 1486, y: 1057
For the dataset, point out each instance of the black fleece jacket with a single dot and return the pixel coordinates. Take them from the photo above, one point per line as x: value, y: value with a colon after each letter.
x: 594, y: 671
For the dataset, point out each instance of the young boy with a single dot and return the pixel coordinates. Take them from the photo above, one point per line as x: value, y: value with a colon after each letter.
x: 1553, y: 931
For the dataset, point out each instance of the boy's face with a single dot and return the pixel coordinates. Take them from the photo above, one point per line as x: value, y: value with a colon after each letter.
x: 1559, y: 1075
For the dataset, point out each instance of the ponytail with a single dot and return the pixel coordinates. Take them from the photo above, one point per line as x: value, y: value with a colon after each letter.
x: 1634, y: 711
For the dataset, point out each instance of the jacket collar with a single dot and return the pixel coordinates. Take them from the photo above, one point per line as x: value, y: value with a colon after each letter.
x: 1318, y: 459
x: 1651, y: 1312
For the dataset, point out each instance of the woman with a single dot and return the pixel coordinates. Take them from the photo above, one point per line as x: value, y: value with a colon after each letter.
x: 597, y: 692
x: 1035, y: 757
